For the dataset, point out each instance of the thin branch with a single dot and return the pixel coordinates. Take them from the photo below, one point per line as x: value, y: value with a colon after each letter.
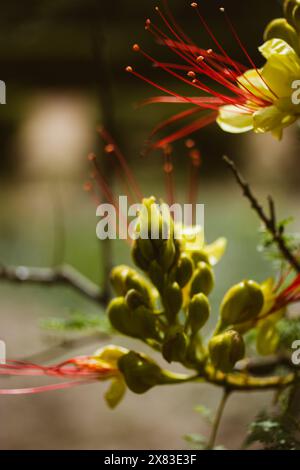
x: 217, y: 420
x: 268, y: 220
x: 265, y: 365
x: 61, y: 275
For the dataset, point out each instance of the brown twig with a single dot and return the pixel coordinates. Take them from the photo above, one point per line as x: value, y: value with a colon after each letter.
x: 61, y: 275
x: 268, y: 220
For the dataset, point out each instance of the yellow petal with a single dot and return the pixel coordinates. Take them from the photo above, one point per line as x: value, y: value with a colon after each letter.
x: 233, y: 119
x: 253, y: 82
x: 272, y: 118
x: 216, y: 250
x: 115, y: 393
x: 282, y: 67
x: 267, y: 339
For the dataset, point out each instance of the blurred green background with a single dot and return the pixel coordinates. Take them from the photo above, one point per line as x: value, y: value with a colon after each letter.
x: 47, y: 128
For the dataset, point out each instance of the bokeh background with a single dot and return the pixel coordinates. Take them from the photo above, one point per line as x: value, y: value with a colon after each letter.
x: 49, y: 55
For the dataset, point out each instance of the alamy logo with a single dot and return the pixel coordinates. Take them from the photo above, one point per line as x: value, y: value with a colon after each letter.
x: 296, y: 353
x: 137, y: 221
x: 296, y: 93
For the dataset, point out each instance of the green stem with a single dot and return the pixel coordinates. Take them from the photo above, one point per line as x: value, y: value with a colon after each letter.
x: 217, y: 420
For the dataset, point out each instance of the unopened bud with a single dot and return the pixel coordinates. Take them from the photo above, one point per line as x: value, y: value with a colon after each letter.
x: 242, y: 303
x: 175, y: 346
x: 184, y: 270
x: 140, y: 372
x: 203, y: 280
x: 139, y: 323
x: 291, y: 11
x: 226, y: 350
x: 281, y: 29
x: 135, y: 299
x: 172, y: 300
x: 198, y: 312
x: 198, y: 256
x: 139, y: 260
x: 156, y: 274
x: 167, y: 254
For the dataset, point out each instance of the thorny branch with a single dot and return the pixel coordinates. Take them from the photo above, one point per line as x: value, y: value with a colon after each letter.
x: 268, y: 220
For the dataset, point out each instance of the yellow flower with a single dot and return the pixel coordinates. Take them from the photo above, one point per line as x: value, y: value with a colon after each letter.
x: 273, y: 84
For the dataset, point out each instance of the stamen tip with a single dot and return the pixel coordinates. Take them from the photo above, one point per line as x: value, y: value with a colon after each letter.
x: 109, y: 148
x: 129, y: 69
x: 191, y: 74
x: 91, y: 157
x: 194, y: 5
x: 200, y: 58
x: 222, y: 9
x: 87, y: 186
x: 136, y: 48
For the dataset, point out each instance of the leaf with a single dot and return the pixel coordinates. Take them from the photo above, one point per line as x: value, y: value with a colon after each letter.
x: 206, y: 412
x: 273, y: 432
x: 77, y: 322
x: 196, y: 441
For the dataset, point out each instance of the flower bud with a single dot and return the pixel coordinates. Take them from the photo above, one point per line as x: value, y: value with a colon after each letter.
x: 175, y: 345
x: 226, y: 349
x: 139, y: 323
x: 167, y: 254
x: 140, y: 372
x: 198, y: 312
x: 203, y: 280
x: 172, y: 300
x: 242, y: 303
x: 198, y: 256
x: 156, y: 274
x: 138, y: 258
x: 281, y: 29
x: 291, y: 11
x: 124, y: 278
x: 135, y: 299
x: 146, y: 248
x: 184, y: 270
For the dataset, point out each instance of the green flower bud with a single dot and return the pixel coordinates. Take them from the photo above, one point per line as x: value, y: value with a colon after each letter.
x: 140, y: 372
x: 135, y: 299
x: 139, y: 323
x: 226, y: 349
x: 172, y: 300
x: 198, y: 256
x: 146, y: 248
x: 184, y: 270
x: 175, y: 345
x: 198, y: 312
x: 124, y: 278
x: 291, y: 11
x: 156, y: 274
x: 242, y: 303
x: 138, y: 258
x: 203, y: 280
x: 167, y: 254
x: 281, y: 29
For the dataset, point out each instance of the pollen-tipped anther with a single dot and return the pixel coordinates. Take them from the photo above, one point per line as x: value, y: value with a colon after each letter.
x: 129, y: 69
x: 194, y: 5
x: 109, y: 148
x: 136, y: 48
x: 191, y: 74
